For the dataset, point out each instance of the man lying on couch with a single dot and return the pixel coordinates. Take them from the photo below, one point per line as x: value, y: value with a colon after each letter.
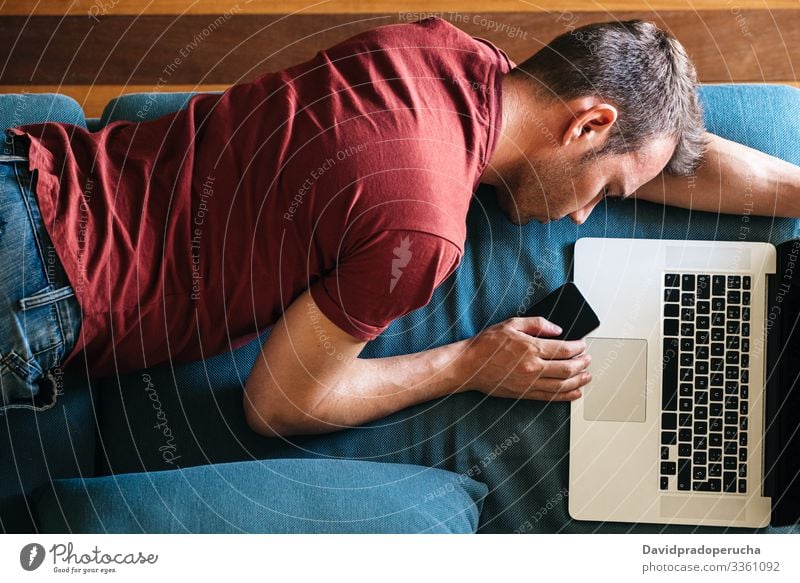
x: 329, y: 199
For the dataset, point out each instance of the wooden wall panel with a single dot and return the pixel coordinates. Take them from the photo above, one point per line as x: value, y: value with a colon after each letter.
x: 120, y: 7
x: 126, y: 49
x: 164, y: 52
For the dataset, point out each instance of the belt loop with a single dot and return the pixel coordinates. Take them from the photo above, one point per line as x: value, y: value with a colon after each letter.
x: 17, y: 149
x: 7, y: 142
x: 12, y: 158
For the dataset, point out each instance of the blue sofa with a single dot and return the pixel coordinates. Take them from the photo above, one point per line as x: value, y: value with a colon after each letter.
x: 168, y: 449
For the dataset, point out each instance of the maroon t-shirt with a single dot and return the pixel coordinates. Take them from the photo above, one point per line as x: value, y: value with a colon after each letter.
x: 349, y: 174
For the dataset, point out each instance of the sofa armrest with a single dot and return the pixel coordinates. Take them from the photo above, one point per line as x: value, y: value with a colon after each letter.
x: 276, y: 496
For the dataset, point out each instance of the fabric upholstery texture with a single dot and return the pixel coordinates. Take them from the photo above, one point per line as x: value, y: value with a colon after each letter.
x: 143, y: 106
x: 273, y: 496
x: 519, y: 449
x: 505, y: 269
x: 60, y: 442
x: 20, y: 108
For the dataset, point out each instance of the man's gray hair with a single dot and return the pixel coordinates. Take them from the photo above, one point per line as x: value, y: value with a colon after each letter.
x: 642, y: 70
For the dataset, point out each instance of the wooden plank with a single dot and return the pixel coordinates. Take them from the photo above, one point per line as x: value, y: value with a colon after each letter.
x: 209, y: 49
x: 98, y: 8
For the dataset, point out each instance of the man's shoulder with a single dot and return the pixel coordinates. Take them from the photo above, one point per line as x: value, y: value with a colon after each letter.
x: 413, y: 26
x: 429, y: 41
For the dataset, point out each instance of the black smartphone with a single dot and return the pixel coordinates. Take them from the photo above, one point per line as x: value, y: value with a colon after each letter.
x: 567, y: 308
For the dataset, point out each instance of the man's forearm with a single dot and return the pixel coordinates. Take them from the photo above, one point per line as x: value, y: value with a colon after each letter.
x: 305, y: 382
x: 375, y: 388
x: 733, y: 179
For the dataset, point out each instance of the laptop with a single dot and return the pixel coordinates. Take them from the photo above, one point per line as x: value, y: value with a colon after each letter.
x: 693, y: 412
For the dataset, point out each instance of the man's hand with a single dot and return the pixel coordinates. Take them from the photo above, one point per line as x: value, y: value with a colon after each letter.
x: 510, y: 361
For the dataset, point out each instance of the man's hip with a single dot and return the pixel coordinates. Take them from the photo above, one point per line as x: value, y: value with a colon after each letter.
x: 39, y: 314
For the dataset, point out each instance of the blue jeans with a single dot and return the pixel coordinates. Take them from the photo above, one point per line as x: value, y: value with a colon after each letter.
x: 39, y: 314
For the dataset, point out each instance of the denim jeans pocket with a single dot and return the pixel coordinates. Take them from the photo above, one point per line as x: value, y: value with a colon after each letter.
x: 39, y: 313
x: 30, y: 373
x: 45, y: 297
x: 33, y: 348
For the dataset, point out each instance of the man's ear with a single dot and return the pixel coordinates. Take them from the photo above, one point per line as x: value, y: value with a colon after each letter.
x: 592, y: 122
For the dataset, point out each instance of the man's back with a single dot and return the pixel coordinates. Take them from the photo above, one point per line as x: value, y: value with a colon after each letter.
x: 349, y: 174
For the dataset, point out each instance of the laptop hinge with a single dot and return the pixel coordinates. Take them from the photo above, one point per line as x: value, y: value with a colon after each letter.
x: 782, y: 402
x: 772, y: 385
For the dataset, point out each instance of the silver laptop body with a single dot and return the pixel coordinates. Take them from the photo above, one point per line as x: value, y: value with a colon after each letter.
x: 689, y: 454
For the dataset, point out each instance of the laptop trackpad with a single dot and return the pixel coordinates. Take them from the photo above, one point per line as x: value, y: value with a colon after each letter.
x: 619, y: 380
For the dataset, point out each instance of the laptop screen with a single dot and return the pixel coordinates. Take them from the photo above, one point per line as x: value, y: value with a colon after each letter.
x: 783, y: 395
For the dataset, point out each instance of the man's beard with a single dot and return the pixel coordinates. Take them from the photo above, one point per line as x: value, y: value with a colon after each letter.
x: 539, y: 189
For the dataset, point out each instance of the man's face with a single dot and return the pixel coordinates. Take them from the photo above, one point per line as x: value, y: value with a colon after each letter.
x: 572, y: 184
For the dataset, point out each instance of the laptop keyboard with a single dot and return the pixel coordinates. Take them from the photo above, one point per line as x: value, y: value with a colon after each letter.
x: 705, y: 383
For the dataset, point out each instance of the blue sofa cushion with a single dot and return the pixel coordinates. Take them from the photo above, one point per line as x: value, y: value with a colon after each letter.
x: 59, y: 442
x: 276, y: 496
x: 18, y: 109
x: 143, y: 106
x: 505, y: 269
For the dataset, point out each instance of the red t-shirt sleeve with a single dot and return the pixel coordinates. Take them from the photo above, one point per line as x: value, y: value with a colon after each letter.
x: 390, y: 275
